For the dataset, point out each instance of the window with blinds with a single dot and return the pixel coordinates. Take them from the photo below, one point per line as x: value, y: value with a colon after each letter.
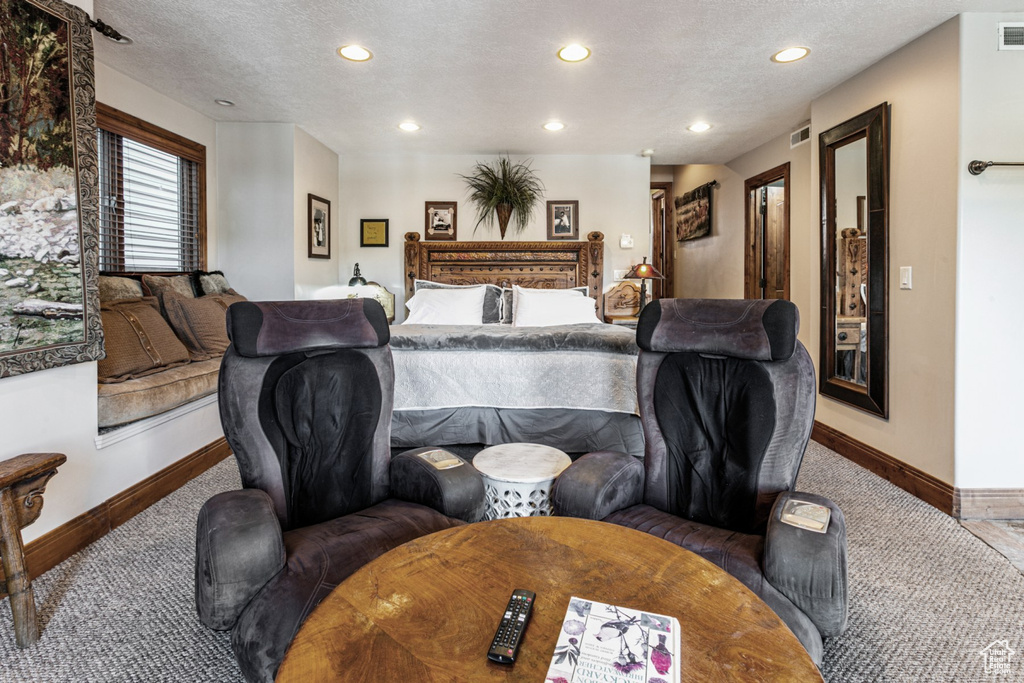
x: 152, y: 186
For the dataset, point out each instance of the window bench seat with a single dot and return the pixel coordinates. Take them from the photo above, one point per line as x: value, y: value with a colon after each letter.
x: 134, y: 399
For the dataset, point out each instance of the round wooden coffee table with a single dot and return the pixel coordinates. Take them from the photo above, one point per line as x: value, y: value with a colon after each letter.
x: 427, y: 610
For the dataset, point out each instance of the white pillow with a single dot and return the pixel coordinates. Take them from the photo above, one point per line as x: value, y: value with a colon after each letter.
x: 547, y: 307
x: 446, y: 307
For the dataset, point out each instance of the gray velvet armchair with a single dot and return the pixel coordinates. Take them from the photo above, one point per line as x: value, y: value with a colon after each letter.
x: 726, y: 394
x: 305, y: 400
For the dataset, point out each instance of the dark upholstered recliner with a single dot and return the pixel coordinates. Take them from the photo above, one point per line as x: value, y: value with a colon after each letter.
x: 305, y: 400
x: 726, y: 395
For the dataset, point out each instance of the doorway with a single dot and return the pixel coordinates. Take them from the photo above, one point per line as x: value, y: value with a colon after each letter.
x: 662, y: 244
x: 766, y: 258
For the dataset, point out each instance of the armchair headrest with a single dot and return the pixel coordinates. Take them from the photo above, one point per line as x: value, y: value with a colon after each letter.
x: 270, y: 328
x: 748, y: 329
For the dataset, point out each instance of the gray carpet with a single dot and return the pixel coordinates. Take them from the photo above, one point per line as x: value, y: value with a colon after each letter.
x: 926, y: 595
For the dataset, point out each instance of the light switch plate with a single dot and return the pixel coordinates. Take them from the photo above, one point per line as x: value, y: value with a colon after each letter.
x: 906, y: 277
x: 626, y: 241
x: 620, y: 275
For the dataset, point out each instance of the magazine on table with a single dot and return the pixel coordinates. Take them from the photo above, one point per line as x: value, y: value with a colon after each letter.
x: 601, y: 642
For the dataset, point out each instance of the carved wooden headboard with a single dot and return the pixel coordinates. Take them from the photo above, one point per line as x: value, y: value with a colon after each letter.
x: 546, y: 265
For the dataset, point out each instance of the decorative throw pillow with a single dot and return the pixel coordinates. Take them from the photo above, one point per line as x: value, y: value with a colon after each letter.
x: 491, y: 312
x: 114, y: 288
x: 508, y: 299
x: 547, y: 307
x: 212, y: 282
x: 160, y: 286
x: 201, y: 322
x: 138, y: 341
x: 458, y: 306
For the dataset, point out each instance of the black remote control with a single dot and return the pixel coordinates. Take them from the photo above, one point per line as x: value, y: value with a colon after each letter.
x: 510, y: 631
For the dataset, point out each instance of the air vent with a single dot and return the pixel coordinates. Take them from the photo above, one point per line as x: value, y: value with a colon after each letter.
x: 1011, y: 35
x: 800, y: 136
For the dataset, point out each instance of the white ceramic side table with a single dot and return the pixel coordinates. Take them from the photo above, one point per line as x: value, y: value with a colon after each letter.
x: 518, y: 478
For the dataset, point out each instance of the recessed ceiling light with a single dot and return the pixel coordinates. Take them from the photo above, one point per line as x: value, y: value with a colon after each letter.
x: 355, y: 53
x: 699, y: 127
x: 554, y: 125
x: 790, y: 54
x: 225, y: 103
x: 573, y: 53
x: 409, y: 126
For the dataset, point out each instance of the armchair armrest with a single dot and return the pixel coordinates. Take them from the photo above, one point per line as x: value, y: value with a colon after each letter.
x: 808, y: 567
x: 239, y: 548
x: 598, y: 484
x: 454, y: 491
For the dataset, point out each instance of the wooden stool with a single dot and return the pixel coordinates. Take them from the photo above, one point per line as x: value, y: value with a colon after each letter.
x: 22, y: 482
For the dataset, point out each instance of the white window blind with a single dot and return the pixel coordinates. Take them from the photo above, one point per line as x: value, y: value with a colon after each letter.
x: 149, y: 208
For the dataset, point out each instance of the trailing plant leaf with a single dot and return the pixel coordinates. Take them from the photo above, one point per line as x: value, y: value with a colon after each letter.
x: 504, y: 182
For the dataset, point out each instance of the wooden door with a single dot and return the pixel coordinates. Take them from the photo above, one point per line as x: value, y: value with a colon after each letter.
x: 662, y: 242
x: 766, y: 261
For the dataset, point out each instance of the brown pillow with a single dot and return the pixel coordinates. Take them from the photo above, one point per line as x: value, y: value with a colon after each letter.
x: 160, y: 286
x: 138, y: 341
x: 201, y: 322
x: 116, y: 288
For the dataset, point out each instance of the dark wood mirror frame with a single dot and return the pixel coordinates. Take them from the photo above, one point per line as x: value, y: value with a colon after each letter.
x: 874, y: 126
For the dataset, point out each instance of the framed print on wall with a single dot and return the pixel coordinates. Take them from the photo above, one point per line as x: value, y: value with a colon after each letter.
x: 563, y: 220
x: 319, y: 227
x: 693, y: 213
x: 441, y: 221
x: 49, y: 239
x: 373, y: 232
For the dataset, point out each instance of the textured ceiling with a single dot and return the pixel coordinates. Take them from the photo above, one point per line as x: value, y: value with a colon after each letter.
x: 481, y: 76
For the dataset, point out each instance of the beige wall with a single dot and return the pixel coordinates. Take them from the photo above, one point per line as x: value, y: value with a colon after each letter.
x: 613, y: 192
x: 712, y: 267
x: 315, y: 172
x: 920, y: 82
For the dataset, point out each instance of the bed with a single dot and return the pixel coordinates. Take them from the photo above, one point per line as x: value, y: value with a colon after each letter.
x: 570, y: 386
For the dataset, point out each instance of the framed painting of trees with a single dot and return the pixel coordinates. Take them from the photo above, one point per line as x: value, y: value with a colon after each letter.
x: 49, y: 301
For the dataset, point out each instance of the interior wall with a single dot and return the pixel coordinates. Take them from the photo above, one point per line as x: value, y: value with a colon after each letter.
x: 712, y: 267
x: 55, y: 410
x: 989, y: 327
x: 921, y: 83
x: 256, y: 164
x: 316, y: 172
x: 613, y: 193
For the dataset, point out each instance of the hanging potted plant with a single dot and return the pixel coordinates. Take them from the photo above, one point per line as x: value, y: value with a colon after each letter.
x: 506, y: 190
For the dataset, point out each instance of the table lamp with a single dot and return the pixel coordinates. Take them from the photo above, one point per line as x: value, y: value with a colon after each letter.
x: 357, y: 278
x: 643, y: 272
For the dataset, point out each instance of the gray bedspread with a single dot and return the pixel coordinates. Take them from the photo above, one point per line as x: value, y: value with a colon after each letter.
x: 531, y: 384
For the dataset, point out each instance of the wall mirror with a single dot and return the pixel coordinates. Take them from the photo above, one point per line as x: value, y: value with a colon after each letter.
x: 854, y: 352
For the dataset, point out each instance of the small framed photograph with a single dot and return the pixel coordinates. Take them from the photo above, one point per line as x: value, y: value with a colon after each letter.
x: 563, y: 220
x: 373, y: 232
x: 319, y: 227
x: 441, y: 221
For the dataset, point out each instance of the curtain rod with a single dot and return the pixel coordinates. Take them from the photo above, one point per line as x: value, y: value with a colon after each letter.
x: 977, y: 167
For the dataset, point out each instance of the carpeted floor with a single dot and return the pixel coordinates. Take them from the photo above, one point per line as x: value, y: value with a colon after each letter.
x: 926, y: 596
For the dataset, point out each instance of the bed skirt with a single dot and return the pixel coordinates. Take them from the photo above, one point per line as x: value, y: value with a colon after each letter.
x: 569, y: 430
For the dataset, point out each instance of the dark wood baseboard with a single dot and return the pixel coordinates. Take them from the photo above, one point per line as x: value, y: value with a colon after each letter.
x: 52, y: 548
x: 988, y: 504
x: 930, y: 489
